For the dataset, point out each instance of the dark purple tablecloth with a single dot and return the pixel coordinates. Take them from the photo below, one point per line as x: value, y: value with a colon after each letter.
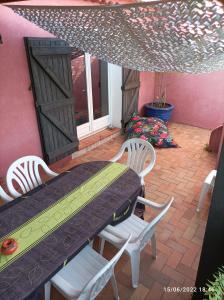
x: 20, y: 279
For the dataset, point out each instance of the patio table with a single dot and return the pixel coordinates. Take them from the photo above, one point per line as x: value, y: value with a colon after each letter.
x: 56, y: 220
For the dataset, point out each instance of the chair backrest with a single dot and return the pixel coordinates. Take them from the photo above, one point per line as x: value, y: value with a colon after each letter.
x: 25, y: 172
x: 97, y: 283
x: 146, y: 234
x: 138, y: 151
x: 210, y: 179
x: 5, y: 197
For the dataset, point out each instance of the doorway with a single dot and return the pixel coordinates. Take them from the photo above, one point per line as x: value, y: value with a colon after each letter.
x: 90, y: 89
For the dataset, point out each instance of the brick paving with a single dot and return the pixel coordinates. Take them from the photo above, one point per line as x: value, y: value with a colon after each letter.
x: 178, y: 172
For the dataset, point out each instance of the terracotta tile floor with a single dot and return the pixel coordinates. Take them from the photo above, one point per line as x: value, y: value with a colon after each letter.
x: 97, y: 138
x: 178, y: 172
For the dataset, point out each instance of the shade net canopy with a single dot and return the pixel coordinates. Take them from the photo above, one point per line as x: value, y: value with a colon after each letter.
x: 160, y: 36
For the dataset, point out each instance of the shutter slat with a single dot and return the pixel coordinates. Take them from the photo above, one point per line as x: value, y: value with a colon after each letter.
x: 58, y: 125
x: 68, y: 149
x: 131, y: 86
x: 52, y: 76
x: 130, y: 94
x: 56, y: 51
x: 56, y: 105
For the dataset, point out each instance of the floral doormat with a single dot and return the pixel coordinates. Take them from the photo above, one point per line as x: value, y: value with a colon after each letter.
x: 151, y: 129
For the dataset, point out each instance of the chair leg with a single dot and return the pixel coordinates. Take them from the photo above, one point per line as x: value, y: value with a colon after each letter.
x: 153, y: 245
x: 140, y: 208
x: 47, y: 291
x: 135, y: 265
x: 204, y: 191
x: 102, y: 243
x: 114, y: 285
x: 91, y: 243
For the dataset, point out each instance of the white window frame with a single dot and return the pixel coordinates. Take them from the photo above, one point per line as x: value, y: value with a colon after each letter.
x: 93, y: 125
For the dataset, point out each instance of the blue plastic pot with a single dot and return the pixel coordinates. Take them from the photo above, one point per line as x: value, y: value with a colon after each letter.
x: 163, y: 113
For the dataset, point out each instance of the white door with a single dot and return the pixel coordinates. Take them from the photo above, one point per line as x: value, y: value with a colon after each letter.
x: 90, y: 87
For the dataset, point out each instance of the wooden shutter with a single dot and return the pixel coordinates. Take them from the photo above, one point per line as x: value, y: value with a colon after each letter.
x: 51, y: 78
x: 130, y: 88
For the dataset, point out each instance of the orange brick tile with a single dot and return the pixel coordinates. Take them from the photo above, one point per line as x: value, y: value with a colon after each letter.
x: 164, y: 248
x: 200, y: 232
x: 189, y: 233
x: 123, y: 278
x: 164, y: 235
x: 159, y: 276
x: 178, y: 224
x: 159, y: 262
x: 186, y: 271
x: 177, y: 234
x: 189, y: 283
x: 172, y: 296
x: 189, y: 257
x: 196, y: 262
x: 189, y: 244
x: 175, y: 246
x: 139, y: 293
x: 174, y: 259
x: 173, y: 274
x: 155, y: 292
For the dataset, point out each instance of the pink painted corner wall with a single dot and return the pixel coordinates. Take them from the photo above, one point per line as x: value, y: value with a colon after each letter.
x: 198, y: 99
x: 146, y: 92
x: 18, y: 131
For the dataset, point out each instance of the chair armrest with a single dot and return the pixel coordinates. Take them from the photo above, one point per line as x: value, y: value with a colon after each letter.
x: 51, y: 173
x: 151, y: 203
x: 117, y: 156
x: 211, y: 176
x: 115, y: 236
x: 116, y: 231
x: 5, y: 197
x: 110, y: 237
x: 142, y: 180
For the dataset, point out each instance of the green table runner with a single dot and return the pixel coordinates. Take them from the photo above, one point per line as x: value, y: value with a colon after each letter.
x: 43, y: 224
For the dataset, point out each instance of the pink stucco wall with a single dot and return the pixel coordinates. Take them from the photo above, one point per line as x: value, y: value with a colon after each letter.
x: 146, y: 92
x: 18, y: 131
x: 198, y: 99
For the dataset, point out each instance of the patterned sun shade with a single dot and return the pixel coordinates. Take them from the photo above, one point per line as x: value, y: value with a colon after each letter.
x: 162, y: 36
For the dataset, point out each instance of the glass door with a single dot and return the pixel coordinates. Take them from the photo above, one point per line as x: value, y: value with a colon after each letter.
x: 90, y: 87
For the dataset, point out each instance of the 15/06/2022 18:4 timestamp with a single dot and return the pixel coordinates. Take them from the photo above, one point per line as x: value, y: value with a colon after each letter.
x: 186, y: 289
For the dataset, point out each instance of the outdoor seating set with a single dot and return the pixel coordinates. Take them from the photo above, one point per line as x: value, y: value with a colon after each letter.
x: 87, y: 272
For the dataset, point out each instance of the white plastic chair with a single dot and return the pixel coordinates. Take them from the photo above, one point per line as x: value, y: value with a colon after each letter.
x: 5, y: 197
x: 138, y: 151
x: 208, y: 184
x: 142, y: 233
x: 25, y: 172
x: 85, y: 276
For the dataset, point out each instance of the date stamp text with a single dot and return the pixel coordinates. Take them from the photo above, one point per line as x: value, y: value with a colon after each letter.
x: 186, y: 289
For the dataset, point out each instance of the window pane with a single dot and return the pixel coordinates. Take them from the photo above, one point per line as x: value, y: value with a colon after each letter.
x: 79, y: 88
x: 99, y: 87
